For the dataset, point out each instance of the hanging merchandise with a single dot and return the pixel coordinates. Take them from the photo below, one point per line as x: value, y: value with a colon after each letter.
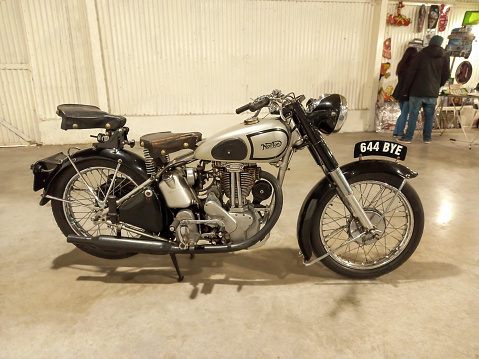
x: 388, y: 93
x: 422, y: 16
x: 417, y: 43
x: 460, y: 42
x: 471, y: 18
x: 433, y: 17
x: 384, y: 70
x: 387, y: 49
x: 463, y: 72
x: 398, y: 19
x: 428, y: 36
x: 385, y: 95
x: 443, y: 17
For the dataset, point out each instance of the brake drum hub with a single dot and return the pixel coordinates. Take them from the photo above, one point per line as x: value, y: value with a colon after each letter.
x: 369, y: 238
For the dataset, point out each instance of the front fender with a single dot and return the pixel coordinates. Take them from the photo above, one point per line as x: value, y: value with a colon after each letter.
x: 316, y: 195
x: 129, y: 159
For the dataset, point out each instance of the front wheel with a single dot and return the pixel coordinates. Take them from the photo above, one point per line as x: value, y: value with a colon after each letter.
x: 399, y: 219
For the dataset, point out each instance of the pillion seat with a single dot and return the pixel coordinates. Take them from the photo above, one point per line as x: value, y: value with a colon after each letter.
x: 76, y: 116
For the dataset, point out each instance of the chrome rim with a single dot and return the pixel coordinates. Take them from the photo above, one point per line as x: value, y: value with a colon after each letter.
x: 396, y: 225
x: 82, y: 205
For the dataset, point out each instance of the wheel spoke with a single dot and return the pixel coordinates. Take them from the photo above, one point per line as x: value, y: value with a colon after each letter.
x: 384, y: 205
x: 83, y: 204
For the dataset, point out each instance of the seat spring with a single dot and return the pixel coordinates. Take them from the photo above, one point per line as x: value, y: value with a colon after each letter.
x: 150, y: 164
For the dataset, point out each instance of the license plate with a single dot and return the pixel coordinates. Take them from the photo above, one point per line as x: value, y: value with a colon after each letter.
x: 380, y: 148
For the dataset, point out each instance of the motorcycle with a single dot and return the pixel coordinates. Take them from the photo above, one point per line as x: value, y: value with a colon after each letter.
x: 362, y: 220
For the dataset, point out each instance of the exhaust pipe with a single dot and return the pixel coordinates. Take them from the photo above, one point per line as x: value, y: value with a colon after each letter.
x: 125, y: 244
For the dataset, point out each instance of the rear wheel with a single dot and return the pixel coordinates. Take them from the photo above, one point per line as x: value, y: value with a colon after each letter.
x: 85, y: 199
x: 399, y: 219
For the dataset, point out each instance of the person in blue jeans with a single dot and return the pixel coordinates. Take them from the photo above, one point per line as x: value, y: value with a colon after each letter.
x: 429, y: 106
x: 428, y: 72
x: 399, y: 94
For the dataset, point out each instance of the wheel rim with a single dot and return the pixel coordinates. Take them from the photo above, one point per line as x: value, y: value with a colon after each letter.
x: 83, y: 205
x: 337, y: 226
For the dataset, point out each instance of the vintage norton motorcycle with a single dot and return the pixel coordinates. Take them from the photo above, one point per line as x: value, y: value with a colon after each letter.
x: 362, y: 220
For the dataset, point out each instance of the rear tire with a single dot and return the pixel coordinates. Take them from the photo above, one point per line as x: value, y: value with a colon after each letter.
x: 401, y: 227
x: 75, y: 218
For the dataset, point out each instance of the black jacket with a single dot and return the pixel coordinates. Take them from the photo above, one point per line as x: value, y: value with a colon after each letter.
x: 428, y: 72
x: 400, y: 93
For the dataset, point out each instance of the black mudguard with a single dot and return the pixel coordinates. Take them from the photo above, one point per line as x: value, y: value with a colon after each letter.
x: 315, y: 196
x: 129, y: 159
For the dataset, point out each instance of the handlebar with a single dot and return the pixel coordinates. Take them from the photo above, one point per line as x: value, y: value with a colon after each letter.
x: 278, y: 103
x: 242, y: 108
x: 253, y: 106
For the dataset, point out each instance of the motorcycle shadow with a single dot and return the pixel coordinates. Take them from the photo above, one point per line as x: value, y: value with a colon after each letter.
x: 263, y: 267
x: 259, y: 267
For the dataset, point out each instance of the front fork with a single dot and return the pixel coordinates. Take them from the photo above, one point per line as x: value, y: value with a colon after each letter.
x: 324, y: 158
x: 350, y: 201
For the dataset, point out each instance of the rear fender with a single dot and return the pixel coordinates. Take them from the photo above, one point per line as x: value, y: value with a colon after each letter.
x: 319, y: 191
x: 129, y: 159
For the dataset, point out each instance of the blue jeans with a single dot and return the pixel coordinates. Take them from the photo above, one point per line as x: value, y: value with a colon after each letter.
x: 429, y: 106
x: 402, y: 119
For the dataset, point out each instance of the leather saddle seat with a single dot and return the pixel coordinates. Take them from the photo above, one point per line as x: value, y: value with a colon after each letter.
x: 161, y: 144
x: 75, y: 116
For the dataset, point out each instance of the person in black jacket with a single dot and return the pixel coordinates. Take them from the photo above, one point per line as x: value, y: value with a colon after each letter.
x: 428, y: 72
x: 399, y: 94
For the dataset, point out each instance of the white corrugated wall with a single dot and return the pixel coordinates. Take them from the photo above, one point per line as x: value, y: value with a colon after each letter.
x: 154, y: 59
x: 210, y: 56
x: 59, y: 42
x: 18, y: 120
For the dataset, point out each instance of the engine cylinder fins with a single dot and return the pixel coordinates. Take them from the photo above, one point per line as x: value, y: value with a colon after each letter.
x: 247, y: 180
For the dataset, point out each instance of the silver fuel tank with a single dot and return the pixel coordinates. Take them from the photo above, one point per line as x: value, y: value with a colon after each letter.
x: 263, y: 141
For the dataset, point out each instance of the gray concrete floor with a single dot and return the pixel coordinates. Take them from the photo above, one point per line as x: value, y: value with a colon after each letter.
x: 57, y: 302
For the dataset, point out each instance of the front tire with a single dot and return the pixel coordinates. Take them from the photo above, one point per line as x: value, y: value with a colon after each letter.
x: 400, y: 220
x: 75, y: 216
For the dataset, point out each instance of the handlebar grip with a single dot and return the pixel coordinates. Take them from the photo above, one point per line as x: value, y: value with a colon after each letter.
x: 242, y: 108
x: 259, y: 105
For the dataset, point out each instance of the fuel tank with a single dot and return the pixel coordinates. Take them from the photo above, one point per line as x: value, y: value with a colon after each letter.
x: 262, y: 141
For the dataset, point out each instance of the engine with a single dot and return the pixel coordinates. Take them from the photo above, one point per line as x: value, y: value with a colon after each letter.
x: 220, y: 205
x: 237, y: 181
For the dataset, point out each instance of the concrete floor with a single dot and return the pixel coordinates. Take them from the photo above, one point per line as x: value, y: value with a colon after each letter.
x: 57, y: 302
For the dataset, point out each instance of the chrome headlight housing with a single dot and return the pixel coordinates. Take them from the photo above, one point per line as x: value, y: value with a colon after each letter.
x: 343, y: 113
x: 329, y: 112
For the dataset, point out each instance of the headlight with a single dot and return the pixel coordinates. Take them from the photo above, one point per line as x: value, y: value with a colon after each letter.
x: 330, y: 112
x: 343, y: 113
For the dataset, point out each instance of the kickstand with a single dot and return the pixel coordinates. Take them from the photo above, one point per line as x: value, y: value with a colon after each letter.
x: 175, y: 263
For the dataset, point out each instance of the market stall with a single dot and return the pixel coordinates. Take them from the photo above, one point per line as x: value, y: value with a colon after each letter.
x: 413, y: 25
